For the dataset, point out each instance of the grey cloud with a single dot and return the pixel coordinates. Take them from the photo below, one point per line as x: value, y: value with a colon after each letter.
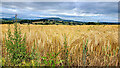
x: 88, y: 7
x: 108, y: 9
x: 99, y: 7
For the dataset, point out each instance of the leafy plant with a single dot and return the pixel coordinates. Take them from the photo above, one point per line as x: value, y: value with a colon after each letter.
x: 50, y: 60
x: 15, y: 44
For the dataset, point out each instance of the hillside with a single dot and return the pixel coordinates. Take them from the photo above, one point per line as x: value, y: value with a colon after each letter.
x: 53, y: 20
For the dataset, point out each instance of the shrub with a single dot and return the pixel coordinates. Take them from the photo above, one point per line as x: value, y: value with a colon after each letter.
x: 15, y: 45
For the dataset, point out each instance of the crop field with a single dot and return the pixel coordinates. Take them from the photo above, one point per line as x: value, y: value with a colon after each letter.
x: 89, y: 45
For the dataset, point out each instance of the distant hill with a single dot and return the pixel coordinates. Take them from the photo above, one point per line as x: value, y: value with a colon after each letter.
x: 110, y: 22
x: 10, y: 19
x: 59, y: 19
x: 54, y: 19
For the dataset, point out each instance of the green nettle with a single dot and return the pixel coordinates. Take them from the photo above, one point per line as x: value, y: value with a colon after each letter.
x: 15, y: 45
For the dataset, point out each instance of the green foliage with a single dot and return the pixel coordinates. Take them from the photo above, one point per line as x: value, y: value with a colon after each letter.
x: 93, y: 23
x: 15, y: 45
x: 25, y: 21
x: 6, y: 22
x: 50, y: 60
x: 66, y: 52
x: 85, y: 49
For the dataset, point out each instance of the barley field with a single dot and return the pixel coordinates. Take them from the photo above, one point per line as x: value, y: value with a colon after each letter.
x: 102, y: 42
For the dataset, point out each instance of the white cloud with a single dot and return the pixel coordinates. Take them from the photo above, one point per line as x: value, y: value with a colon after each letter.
x: 13, y: 10
x: 51, y: 10
x: 29, y: 8
x: 78, y: 14
x: 13, y: 6
x: 42, y: 15
x: 47, y: 16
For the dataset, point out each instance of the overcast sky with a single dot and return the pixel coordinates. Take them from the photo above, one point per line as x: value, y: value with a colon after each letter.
x: 79, y: 11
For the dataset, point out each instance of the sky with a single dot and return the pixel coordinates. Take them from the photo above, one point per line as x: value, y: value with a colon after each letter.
x: 78, y: 11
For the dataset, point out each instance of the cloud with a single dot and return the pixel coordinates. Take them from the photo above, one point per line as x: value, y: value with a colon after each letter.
x: 42, y: 15
x: 12, y: 10
x: 29, y: 8
x: 71, y: 10
x: 75, y: 14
